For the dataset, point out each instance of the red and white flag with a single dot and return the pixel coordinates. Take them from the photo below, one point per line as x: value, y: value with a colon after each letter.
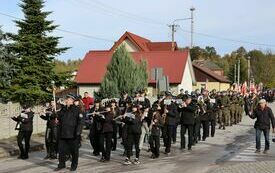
x: 244, y: 88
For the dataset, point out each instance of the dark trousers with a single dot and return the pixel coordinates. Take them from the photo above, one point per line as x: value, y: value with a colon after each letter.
x: 174, y: 134
x: 258, y: 138
x: 51, y: 141
x: 114, y: 136
x: 213, y: 127
x: 197, y: 131
x: 120, y: 130
x: 154, y: 142
x: 168, y: 130
x: 26, y: 136
x: 106, y: 145
x: 68, y: 147
x: 132, y: 139
x: 205, y: 129
x: 94, y: 140
x: 183, y: 129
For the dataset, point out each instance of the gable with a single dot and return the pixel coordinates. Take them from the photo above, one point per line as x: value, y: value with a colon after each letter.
x: 138, y: 42
x: 129, y: 45
x: 135, y: 43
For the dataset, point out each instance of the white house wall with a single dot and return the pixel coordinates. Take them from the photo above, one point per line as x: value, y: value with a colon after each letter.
x: 188, y: 77
x: 87, y: 88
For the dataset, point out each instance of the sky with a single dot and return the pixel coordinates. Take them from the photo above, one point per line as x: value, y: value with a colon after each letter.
x: 225, y: 25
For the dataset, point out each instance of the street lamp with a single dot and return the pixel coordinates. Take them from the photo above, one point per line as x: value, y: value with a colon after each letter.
x: 173, y: 26
x: 176, y: 20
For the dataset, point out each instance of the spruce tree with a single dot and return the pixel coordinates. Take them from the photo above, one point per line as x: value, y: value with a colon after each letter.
x: 35, y: 48
x: 123, y: 74
x: 6, y: 68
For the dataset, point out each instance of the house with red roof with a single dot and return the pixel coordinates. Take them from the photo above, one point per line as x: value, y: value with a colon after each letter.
x: 176, y: 64
x: 210, y: 76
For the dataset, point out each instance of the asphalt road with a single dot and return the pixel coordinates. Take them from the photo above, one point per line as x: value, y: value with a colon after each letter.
x: 228, y: 148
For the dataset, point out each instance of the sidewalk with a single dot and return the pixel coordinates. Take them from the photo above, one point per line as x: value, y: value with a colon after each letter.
x: 9, y: 147
x: 251, y: 167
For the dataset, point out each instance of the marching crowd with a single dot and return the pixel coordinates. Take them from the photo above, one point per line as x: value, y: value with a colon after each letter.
x: 135, y: 120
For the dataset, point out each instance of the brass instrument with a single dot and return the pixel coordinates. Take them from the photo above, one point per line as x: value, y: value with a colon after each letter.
x: 152, y: 121
x: 164, y: 115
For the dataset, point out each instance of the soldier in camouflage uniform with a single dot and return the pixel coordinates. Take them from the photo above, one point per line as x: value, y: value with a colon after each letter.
x: 224, y: 113
x: 233, y: 108
x: 240, y: 108
x: 219, y: 111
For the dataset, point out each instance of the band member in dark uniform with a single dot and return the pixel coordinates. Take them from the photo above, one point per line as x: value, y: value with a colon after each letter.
x: 116, y: 112
x: 122, y: 104
x: 70, y: 120
x: 133, y: 121
x: 95, y: 127
x: 25, y: 127
x: 128, y: 109
x: 155, y: 128
x: 187, y: 121
x: 79, y: 103
x: 51, y: 134
x: 107, y: 121
x: 169, y: 113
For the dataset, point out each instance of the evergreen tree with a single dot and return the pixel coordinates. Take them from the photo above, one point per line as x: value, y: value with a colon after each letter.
x: 6, y: 68
x: 35, y: 50
x: 123, y: 74
x: 142, y: 74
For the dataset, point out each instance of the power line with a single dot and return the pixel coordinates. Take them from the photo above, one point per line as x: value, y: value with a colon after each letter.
x: 228, y: 39
x: 85, y: 35
x: 186, y: 31
x: 66, y: 31
x: 115, y: 11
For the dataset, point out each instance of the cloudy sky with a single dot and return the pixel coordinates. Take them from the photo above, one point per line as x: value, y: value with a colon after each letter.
x: 226, y: 25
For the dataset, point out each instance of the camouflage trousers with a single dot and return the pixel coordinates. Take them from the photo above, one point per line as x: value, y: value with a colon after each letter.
x: 233, y: 114
x: 223, y: 117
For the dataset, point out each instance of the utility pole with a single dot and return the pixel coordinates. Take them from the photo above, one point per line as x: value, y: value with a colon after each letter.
x: 235, y: 73
x: 192, y: 9
x: 239, y: 64
x: 173, y: 28
x: 248, y: 71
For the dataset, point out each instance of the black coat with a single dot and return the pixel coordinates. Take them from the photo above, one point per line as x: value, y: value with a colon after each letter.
x: 70, y: 122
x: 188, y: 114
x: 133, y: 124
x: 171, y: 116
x: 107, y: 122
x: 263, y: 118
x: 26, y: 121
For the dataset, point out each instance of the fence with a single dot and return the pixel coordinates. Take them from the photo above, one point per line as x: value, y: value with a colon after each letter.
x: 7, y: 125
